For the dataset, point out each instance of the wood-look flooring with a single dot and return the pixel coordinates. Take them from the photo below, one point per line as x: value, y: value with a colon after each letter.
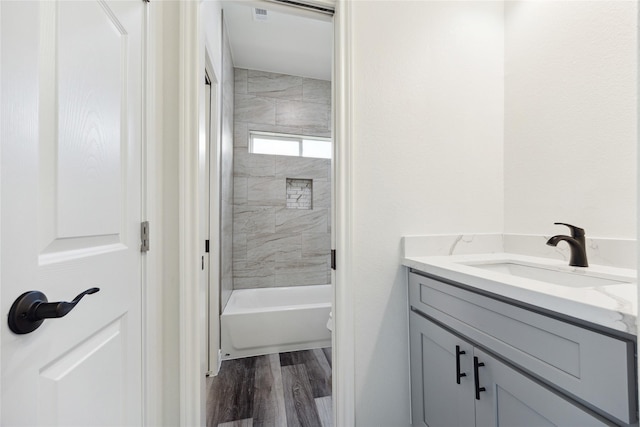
x: 284, y: 390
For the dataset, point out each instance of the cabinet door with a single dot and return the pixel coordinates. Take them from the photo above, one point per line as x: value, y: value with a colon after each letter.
x: 437, y: 399
x: 513, y: 399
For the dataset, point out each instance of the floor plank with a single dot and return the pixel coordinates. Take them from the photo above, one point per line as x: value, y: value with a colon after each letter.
x: 299, y: 403
x: 281, y: 419
x: 276, y: 390
x: 325, y: 411
x: 268, y: 398
x: 319, y: 373
x: 232, y: 392
x: 327, y: 353
x: 317, y: 367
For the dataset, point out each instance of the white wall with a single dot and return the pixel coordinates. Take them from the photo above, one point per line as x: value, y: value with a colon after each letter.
x: 470, y: 120
x: 427, y: 158
x: 570, y: 116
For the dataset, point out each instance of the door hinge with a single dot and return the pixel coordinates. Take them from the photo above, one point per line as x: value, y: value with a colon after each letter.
x: 144, y: 236
x: 206, y: 246
x: 333, y: 259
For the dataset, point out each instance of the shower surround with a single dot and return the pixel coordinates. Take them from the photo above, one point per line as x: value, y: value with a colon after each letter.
x: 274, y: 245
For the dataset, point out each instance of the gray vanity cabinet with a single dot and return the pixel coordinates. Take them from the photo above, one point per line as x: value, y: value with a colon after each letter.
x: 498, y: 396
x: 537, y: 369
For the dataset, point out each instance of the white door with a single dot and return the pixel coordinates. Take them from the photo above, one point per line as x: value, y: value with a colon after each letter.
x: 70, y: 202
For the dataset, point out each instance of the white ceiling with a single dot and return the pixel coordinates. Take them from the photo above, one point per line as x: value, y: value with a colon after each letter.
x: 285, y: 43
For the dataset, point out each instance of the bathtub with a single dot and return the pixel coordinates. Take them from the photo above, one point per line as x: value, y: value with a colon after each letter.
x: 273, y: 320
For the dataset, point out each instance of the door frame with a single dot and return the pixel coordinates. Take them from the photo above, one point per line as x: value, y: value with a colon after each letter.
x: 192, y: 363
x: 343, y: 337
x: 191, y: 305
x: 152, y: 298
x: 215, y: 232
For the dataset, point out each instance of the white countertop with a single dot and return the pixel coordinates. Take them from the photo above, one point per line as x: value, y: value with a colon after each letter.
x: 613, y: 306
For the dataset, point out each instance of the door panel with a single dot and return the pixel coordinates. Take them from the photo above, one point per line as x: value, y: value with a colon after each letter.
x: 71, y: 201
x: 513, y: 399
x: 437, y: 399
x: 83, y: 130
x: 67, y: 400
x: 91, y: 55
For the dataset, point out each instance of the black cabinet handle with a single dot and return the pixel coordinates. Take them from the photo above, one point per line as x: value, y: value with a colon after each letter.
x: 476, y: 365
x: 458, y: 373
x: 30, y: 309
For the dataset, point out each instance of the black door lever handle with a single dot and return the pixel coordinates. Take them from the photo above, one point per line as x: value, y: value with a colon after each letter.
x: 30, y: 309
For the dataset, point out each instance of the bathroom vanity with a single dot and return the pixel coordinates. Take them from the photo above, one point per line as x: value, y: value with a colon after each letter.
x: 504, y: 339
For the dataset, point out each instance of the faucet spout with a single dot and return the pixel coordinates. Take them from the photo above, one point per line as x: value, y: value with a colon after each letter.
x: 578, y: 250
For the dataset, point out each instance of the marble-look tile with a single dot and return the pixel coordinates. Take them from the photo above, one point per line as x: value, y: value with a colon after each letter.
x: 226, y: 226
x: 240, y: 134
x: 316, y: 244
x: 254, y: 109
x: 296, y: 113
x: 452, y: 244
x: 240, y: 190
x: 240, y: 80
x: 274, y: 247
x: 272, y: 85
x: 301, y: 221
x: 254, y: 219
x: 613, y: 252
x: 318, y: 91
x: 239, y: 246
x: 302, y: 107
x: 321, y: 194
x: 266, y: 191
x: 226, y: 271
x: 307, y: 271
x: 608, y: 252
x: 302, y: 167
x: 299, y: 193
x: 320, y: 132
x: 249, y: 274
x: 248, y: 164
x: 226, y: 177
x: 262, y: 127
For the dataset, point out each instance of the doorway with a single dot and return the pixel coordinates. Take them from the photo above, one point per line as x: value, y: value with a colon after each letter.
x: 280, y: 235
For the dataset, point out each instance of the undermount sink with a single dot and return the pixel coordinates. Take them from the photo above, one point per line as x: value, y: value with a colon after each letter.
x: 549, y: 274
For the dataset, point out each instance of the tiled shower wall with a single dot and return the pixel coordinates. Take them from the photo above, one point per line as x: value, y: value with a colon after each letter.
x: 274, y: 245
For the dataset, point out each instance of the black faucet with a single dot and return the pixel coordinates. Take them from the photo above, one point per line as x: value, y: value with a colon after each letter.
x: 576, y: 243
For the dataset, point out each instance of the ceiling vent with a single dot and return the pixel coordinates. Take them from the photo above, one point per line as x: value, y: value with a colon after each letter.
x: 259, y: 14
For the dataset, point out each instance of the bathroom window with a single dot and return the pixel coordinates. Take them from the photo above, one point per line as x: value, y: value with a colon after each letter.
x: 289, y: 145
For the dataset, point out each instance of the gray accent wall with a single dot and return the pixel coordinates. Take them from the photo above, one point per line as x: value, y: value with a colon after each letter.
x: 226, y: 173
x: 274, y: 245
